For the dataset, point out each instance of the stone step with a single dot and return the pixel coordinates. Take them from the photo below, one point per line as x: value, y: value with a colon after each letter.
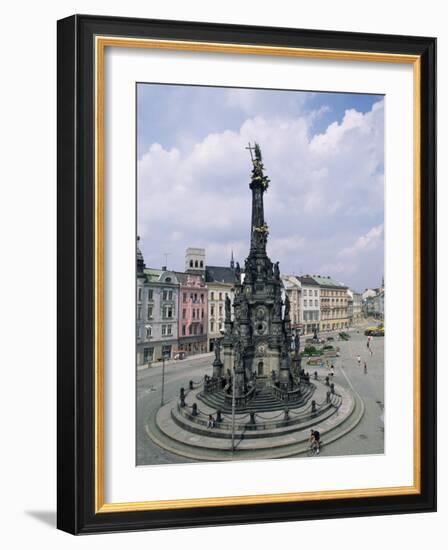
x: 263, y: 401
x: 257, y: 431
x: 204, y: 448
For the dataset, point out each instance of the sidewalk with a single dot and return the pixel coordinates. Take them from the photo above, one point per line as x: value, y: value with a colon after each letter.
x: 174, y: 361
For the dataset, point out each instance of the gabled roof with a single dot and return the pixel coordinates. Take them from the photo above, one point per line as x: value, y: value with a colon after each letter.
x: 219, y: 274
x: 307, y: 280
x: 328, y: 281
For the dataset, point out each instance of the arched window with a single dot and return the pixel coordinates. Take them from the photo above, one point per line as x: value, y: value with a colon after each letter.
x: 196, y: 263
x: 191, y: 263
x: 201, y: 263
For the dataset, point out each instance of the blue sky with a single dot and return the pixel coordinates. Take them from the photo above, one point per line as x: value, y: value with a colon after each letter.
x: 323, y: 152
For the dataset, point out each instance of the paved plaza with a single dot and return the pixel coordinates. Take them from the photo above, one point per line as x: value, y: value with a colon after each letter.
x: 365, y: 438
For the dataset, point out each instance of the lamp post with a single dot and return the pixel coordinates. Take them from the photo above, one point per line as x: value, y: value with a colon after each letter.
x: 163, y: 378
x: 233, y: 408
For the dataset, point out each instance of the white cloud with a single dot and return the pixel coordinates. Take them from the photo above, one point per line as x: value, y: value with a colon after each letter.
x: 325, y: 190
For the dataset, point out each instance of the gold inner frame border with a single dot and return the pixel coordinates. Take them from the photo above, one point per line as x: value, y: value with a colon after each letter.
x: 101, y: 42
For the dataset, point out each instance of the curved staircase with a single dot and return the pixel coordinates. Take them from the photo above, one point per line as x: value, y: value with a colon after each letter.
x: 264, y: 400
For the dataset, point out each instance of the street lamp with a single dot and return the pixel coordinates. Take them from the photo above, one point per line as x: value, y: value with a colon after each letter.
x: 233, y: 408
x: 164, y: 355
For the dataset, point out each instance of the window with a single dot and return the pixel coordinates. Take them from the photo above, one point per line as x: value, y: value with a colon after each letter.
x: 184, y: 313
x: 166, y: 351
x: 140, y: 294
x: 149, y: 313
x: 315, y: 303
x: 201, y: 329
x: 195, y: 329
x: 169, y: 329
x: 185, y: 297
x: 220, y: 295
x: 220, y: 310
x: 139, y: 312
x: 190, y: 329
x: 212, y: 310
x: 169, y: 312
x: 202, y: 314
x: 305, y: 292
x: 148, y: 332
x: 194, y: 314
x: 183, y: 330
x: 212, y: 326
x: 305, y: 303
x: 201, y: 263
x: 170, y: 295
x: 315, y: 293
x: 165, y: 295
x: 196, y: 263
x: 163, y: 330
x: 150, y: 294
x: 202, y: 298
x: 191, y: 263
x: 212, y: 295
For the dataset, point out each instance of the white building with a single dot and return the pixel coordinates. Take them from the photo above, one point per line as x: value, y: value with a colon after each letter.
x: 310, y: 304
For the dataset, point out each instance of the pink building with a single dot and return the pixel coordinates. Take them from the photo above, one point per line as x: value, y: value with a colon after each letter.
x: 192, y: 314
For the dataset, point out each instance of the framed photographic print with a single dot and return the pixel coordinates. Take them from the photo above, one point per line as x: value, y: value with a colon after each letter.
x: 246, y: 274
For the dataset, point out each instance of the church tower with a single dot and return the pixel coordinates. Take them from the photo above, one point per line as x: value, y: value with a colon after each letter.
x: 257, y: 342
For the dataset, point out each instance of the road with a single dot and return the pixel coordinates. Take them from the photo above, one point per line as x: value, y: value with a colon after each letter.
x: 366, y: 438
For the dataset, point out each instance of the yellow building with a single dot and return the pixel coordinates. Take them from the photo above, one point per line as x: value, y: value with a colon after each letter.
x: 333, y: 304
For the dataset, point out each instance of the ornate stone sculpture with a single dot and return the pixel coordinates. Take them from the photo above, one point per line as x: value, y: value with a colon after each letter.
x: 287, y: 306
x: 228, y: 310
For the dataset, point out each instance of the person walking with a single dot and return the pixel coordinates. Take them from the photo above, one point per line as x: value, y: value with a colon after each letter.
x: 365, y: 367
x: 358, y: 358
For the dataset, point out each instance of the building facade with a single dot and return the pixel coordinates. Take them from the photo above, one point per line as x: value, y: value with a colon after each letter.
x: 193, y: 307
x: 310, y: 304
x: 357, y: 307
x: 220, y: 286
x: 334, y: 304
x: 156, y: 315
x: 293, y: 289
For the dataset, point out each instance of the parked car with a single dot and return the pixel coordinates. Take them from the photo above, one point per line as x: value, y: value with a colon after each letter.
x: 179, y: 355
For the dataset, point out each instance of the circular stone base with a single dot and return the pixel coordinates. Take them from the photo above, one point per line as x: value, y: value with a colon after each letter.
x: 174, y: 430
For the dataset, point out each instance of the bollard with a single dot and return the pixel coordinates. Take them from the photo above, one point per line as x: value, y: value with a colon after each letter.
x: 315, y: 375
x: 313, y: 406
x: 194, y: 412
x: 190, y: 384
x: 286, y: 414
x: 182, y: 393
x: 327, y: 381
x: 252, y: 418
x: 218, y: 416
x: 332, y: 388
x: 182, y: 400
x: 328, y: 396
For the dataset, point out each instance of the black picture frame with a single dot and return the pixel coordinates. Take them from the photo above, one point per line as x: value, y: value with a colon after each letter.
x: 76, y: 285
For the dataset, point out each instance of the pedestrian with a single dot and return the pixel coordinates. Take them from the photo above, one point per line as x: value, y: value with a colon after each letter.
x: 365, y: 367
x: 211, y: 422
x: 358, y: 358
